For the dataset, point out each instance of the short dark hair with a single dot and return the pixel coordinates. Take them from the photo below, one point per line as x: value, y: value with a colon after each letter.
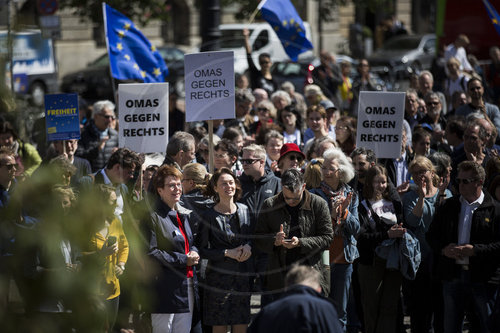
x: 231, y: 133
x: 227, y: 146
x: 264, y: 55
x: 292, y: 179
x: 370, y: 154
x: 419, y: 134
x: 476, y: 168
x: 6, y: 127
x: 456, y: 125
x: 301, y: 274
x: 125, y: 157
x: 210, y: 190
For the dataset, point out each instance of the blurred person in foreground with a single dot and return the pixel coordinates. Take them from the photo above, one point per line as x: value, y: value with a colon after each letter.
x: 301, y: 309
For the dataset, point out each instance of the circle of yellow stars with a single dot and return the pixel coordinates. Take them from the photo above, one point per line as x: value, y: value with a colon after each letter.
x: 121, y: 34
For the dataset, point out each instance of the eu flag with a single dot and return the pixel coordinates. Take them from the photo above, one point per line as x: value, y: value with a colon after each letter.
x: 493, y: 14
x: 131, y: 55
x: 285, y: 20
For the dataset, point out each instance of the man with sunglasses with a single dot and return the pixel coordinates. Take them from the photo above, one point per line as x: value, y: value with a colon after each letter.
x: 293, y: 226
x: 257, y: 185
x: 8, y: 169
x: 99, y: 140
x: 465, y: 239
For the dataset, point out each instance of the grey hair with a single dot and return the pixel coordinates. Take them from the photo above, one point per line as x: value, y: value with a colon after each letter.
x: 206, y: 140
x: 425, y: 72
x: 281, y: 94
x: 273, y: 134
x: 288, y: 86
x: 292, y: 179
x: 101, y: 105
x: 441, y: 162
x: 270, y: 106
x: 304, y: 275
x: 257, y: 150
x: 243, y: 96
x: 179, y: 141
x: 345, y: 167
x: 432, y: 95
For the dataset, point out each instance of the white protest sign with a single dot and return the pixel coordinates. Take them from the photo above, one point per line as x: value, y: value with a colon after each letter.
x: 380, y: 122
x: 143, y: 114
x: 209, y: 82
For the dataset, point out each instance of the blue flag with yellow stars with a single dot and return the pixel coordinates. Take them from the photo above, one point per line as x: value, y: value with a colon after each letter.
x: 131, y: 54
x: 285, y: 20
x: 493, y: 14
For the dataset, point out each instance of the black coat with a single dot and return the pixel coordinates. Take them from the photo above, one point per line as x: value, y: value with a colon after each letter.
x: 168, y: 266
x: 301, y: 309
x: 484, y: 236
x: 255, y: 192
x: 88, y: 146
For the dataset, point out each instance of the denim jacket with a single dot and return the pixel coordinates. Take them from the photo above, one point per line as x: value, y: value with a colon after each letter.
x: 351, y: 226
x: 402, y: 254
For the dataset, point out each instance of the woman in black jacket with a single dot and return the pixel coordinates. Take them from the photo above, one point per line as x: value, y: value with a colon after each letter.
x: 380, y: 218
x: 173, y: 256
x: 224, y: 242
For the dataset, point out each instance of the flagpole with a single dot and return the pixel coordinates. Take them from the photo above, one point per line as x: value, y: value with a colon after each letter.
x: 259, y: 6
x: 107, y: 47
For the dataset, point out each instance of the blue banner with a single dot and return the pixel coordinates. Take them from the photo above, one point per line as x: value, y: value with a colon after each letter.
x: 285, y: 20
x: 61, y: 117
x: 493, y: 14
x: 131, y: 54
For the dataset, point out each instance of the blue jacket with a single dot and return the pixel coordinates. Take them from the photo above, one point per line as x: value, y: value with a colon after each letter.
x: 351, y: 226
x: 402, y: 254
x: 168, y: 266
x: 301, y: 309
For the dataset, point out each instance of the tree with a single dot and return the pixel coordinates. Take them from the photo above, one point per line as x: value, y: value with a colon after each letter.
x: 141, y: 11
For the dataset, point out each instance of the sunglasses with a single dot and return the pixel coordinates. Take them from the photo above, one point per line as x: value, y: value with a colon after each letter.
x: 249, y: 160
x: 297, y: 158
x: 262, y: 110
x: 466, y: 181
x: 108, y: 116
x: 9, y: 166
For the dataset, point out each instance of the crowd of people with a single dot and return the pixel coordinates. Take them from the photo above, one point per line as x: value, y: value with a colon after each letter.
x: 333, y: 239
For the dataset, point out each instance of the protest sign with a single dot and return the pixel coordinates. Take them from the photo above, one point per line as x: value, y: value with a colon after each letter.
x: 61, y: 117
x: 143, y: 115
x: 380, y: 122
x: 209, y: 82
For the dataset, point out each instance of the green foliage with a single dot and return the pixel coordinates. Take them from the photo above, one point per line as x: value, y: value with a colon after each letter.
x: 140, y: 11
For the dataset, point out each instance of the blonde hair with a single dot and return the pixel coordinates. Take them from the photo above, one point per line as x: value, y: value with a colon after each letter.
x: 312, y: 174
x: 424, y: 163
x: 197, y: 173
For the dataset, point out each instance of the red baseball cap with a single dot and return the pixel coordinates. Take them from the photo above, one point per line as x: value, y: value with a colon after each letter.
x: 288, y: 148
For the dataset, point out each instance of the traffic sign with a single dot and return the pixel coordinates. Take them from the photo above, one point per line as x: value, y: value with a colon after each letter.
x: 47, y: 7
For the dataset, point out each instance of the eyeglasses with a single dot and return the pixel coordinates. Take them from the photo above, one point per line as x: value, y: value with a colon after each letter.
x: 249, y: 160
x: 223, y: 155
x: 107, y: 116
x: 9, y: 166
x: 294, y: 157
x: 173, y: 186
x: 293, y: 199
x: 341, y: 128
x: 329, y: 169
x: 465, y: 181
x: 432, y: 103
x: 262, y: 110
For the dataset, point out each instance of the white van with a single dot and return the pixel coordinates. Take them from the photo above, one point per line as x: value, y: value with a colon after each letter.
x: 263, y: 39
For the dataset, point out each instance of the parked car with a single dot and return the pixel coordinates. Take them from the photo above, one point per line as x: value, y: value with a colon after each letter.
x: 94, y: 82
x: 402, y: 55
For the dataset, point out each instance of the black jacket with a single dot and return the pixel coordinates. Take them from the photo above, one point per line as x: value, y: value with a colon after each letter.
x: 88, y: 146
x: 484, y: 236
x: 369, y: 236
x: 254, y: 193
x: 168, y: 267
x: 301, y: 309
